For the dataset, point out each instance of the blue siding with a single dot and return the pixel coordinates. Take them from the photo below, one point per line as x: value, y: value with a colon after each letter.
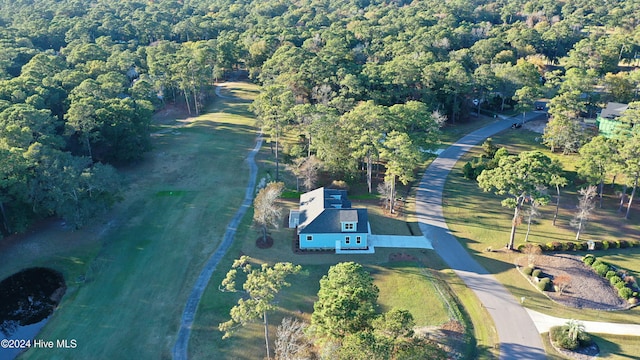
x: 328, y: 241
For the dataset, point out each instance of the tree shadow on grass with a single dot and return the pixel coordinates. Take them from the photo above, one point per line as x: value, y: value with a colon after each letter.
x: 608, y: 348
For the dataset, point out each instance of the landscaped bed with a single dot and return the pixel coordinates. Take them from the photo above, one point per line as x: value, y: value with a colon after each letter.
x: 585, y: 289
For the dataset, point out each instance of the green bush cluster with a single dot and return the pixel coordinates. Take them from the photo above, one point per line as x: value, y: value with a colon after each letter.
x: 601, y: 269
x: 544, y: 284
x: 625, y: 292
x: 528, y: 270
x: 536, y: 273
x: 560, y: 336
x: 589, y: 259
x: 615, y: 279
x: 584, y: 245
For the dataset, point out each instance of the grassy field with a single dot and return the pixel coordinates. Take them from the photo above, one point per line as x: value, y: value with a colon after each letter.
x: 139, y: 264
x: 479, y: 222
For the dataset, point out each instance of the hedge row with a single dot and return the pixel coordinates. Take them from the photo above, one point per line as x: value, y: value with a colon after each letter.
x: 624, y: 284
x: 583, y: 245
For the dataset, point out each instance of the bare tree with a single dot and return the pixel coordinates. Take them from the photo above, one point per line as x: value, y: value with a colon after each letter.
x: 532, y: 213
x: 296, y: 168
x: 585, y: 208
x: 309, y: 172
x: 562, y: 283
x: 384, y: 189
x: 291, y: 340
x: 266, y: 212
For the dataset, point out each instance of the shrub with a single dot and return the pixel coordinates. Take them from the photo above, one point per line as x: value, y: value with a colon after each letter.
x: 565, y: 246
x: 623, y: 244
x: 467, y: 171
x: 570, y: 246
x: 605, y: 245
x: 602, y: 269
x: 560, y: 336
x: 578, y: 247
x: 620, y: 285
x: 536, y: 273
x: 610, y: 274
x: 597, y: 245
x: 527, y: 270
x: 597, y: 263
x: 521, y: 247
x: 615, y: 244
x: 614, y: 279
x: 635, y: 294
x: 625, y: 293
x: 543, y: 285
x: 589, y: 259
x: 633, y: 300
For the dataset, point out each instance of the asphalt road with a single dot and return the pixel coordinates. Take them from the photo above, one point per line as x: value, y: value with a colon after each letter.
x: 519, y: 337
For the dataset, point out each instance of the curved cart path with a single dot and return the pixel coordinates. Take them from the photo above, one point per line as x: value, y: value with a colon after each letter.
x: 179, y: 350
x: 519, y: 337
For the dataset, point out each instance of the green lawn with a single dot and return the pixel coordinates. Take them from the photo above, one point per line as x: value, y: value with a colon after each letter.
x: 397, y: 282
x: 612, y: 347
x: 177, y: 204
x: 479, y: 222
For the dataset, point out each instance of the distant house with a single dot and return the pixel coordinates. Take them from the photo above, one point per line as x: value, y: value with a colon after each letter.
x: 608, y: 123
x: 326, y: 221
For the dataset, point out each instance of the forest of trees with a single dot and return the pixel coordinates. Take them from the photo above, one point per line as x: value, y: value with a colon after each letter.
x: 80, y: 79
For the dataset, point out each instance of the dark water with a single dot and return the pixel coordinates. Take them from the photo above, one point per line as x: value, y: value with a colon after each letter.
x: 27, y: 299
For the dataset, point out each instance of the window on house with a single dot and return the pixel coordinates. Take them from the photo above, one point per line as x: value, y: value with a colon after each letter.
x: 358, y: 239
x: 309, y: 237
x: 347, y: 239
x: 348, y: 226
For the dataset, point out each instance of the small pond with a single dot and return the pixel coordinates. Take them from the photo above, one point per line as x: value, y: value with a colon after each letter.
x: 27, y: 299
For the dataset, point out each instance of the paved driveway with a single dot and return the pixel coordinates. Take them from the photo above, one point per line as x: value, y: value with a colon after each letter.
x: 519, y: 337
x: 395, y: 241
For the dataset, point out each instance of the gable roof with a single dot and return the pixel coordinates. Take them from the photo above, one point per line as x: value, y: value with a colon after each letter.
x: 613, y: 110
x: 323, y: 210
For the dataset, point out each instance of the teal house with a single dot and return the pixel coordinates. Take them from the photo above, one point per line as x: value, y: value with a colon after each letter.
x: 326, y: 221
x: 608, y: 124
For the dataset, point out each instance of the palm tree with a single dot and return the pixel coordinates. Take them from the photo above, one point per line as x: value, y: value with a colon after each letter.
x: 576, y: 328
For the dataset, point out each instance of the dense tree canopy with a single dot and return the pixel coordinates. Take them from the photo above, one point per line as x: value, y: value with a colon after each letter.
x: 96, y: 69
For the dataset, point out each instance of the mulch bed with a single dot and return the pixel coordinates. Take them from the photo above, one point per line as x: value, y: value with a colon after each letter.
x: 262, y: 244
x: 586, y: 290
x: 402, y: 257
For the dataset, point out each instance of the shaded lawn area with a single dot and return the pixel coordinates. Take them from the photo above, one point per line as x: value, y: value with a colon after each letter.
x: 401, y: 286
x: 177, y: 204
x: 481, y: 224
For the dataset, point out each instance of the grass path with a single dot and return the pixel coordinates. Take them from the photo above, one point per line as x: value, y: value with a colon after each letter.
x: 180, y: 348
x: 177, y: 204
